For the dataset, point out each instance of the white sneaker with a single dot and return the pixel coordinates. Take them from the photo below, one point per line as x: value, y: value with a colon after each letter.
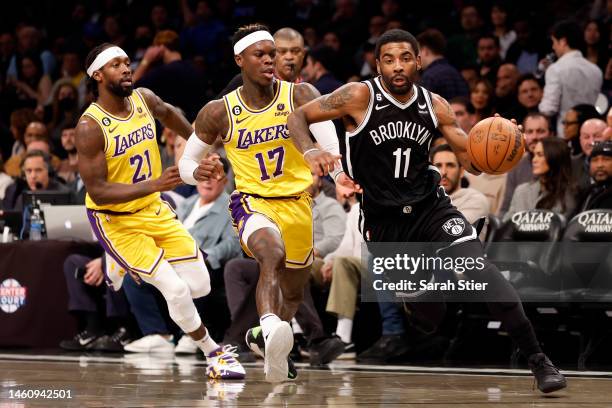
x: 153, y: 343
x: 223, y: 365
x: 186, y: 345
x: 278, y: 345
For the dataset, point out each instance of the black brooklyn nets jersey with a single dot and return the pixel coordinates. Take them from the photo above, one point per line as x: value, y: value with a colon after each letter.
x: 388, y: 154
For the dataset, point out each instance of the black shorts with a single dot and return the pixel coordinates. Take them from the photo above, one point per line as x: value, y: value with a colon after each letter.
x: 433, y: 219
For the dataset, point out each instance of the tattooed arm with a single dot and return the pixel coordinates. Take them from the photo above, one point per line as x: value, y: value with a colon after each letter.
x: 349, y: 100
x: 452, y: 132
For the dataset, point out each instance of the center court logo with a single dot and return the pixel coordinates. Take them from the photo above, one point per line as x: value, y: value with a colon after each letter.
x: 12, y: 295
x: 454, y: 226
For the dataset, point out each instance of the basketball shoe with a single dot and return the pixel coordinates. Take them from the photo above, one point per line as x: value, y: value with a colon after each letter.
x: 255, y: 341
x: 222, y: 364
x: 547, y: 376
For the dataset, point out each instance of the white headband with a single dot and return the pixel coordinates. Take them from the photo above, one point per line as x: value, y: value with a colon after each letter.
x: 105, y: 56
x: 250, y: 39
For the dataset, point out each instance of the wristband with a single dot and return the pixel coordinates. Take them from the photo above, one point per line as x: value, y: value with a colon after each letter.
x: 308, y: 151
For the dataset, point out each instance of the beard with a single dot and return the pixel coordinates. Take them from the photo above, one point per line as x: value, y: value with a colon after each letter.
x: 397, y: 90
x: 119, y: 90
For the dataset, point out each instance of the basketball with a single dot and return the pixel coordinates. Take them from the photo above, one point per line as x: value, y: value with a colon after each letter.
x: 495, y: 145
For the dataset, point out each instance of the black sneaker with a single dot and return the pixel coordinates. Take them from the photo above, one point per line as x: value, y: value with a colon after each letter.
x: 326, y: 350
x: 256, y: 343
x: 349, y: 352
x: 387, y: 348
x: 113, y: 343
x: 82, y: 341
x: 547, y: 376
x: 300, y: 347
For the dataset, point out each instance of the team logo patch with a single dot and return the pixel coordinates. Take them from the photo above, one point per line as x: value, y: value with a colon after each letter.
x: 106, y: 121
x: 454, y: 226
x: 280, y: 106
x: 237, y: 110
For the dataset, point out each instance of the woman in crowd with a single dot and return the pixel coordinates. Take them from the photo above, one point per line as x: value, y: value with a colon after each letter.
x: 481, y: 97
x: 64, y: 109
x: 501, y: 27
x: 32, y: 86
x: 553, y: 187
x: 596, y: 36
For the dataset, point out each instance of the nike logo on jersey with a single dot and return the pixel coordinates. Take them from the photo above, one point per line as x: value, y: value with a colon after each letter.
x: 421, y: 106
x: 242, y: 120
x: 113, y: 129
x: 379, y: 107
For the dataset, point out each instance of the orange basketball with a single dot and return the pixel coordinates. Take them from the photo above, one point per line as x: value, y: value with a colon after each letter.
x: 495, y: 145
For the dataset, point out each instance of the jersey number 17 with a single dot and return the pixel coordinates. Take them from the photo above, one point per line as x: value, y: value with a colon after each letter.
x: 276, y: 157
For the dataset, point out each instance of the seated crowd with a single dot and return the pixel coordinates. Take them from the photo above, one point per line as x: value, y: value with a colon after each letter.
x: 486, y: 66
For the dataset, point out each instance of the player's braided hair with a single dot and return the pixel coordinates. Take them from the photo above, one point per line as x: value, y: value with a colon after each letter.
x: 91, y: 83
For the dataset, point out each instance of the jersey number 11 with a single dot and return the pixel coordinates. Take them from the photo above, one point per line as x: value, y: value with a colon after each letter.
x: 398, y: 162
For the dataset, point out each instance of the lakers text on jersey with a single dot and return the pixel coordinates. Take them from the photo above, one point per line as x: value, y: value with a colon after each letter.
x: 257, y: 143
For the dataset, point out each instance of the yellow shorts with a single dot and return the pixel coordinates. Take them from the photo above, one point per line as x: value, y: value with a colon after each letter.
x: 140, y: 241
x: 292, y: 215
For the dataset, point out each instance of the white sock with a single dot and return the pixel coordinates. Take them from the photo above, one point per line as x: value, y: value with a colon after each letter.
x: 297, y: 329
x: 268, y: 321
x: 206, y: 344
x: 344, y: 329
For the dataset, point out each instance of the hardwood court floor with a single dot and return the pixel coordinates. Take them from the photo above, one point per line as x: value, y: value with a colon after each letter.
x: 167, y: 381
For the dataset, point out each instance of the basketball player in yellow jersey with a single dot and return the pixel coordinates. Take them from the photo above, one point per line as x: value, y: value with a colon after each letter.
x: 270, y: 209
x: 120, y: 165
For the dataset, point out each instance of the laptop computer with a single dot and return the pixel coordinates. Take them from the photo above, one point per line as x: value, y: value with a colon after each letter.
x: 67, y: 222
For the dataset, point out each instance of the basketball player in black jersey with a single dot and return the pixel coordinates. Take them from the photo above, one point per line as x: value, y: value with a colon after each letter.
x: 390, y: 123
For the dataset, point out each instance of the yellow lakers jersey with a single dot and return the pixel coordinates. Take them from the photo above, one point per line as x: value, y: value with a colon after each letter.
x: 257, y: 143
x: 130, y: 146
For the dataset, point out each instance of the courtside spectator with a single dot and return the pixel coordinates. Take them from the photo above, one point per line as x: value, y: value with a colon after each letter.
x: 536, y: 127
x: 553, y: 188
x: 599, y: 193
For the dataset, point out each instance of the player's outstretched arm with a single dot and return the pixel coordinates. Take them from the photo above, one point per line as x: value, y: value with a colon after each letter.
x: 345, y: 101
x: 452, y: 132
x: 167, y: 114
x: 94, y: 171
x: 197, y: 163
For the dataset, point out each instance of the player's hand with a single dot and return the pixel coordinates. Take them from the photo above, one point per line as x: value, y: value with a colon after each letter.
x: 347, y: 182
x: 94, y: 276
x: 209, y: 168
x: 169, y: 179
x: 514, y: 122
x: 322, y: 162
